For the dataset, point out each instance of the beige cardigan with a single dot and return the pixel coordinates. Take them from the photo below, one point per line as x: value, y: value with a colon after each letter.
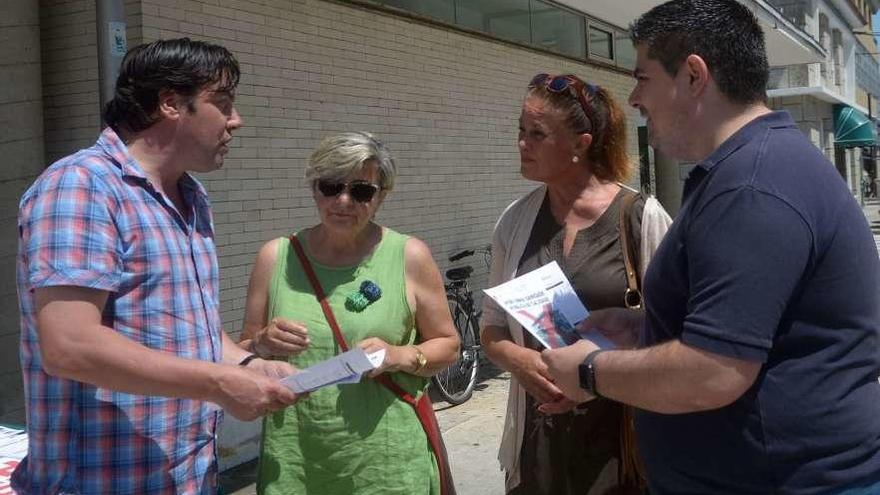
x: 508, y: 243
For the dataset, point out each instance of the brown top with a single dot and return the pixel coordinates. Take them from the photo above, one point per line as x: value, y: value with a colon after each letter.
x: 577, y: 452
x: 595, y: 264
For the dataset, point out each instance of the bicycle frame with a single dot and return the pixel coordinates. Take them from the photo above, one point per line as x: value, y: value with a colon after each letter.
x: 456, y: 383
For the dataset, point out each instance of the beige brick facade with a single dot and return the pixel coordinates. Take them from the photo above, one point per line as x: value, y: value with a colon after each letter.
x: 445, y: 102
x: 21, y: 146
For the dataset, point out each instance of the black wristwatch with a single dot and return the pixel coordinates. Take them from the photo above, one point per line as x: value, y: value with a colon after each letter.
x: 587, y: 373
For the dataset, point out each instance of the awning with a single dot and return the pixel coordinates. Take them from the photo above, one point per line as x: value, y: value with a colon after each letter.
x: 853, y: 128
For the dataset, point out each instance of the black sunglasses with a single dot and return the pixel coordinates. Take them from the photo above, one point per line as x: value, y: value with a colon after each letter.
x: 359, y: 190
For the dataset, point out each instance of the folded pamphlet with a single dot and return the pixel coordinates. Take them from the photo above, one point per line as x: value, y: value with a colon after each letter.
x: 545, y: 304
x: 347, y: 367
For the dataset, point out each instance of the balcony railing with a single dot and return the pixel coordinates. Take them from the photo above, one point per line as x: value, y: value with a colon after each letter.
x: 793, y: 10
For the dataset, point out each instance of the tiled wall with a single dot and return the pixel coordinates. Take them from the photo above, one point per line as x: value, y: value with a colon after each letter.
x: 21, y: 146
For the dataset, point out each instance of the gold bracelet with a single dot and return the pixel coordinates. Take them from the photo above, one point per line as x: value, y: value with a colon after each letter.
x: 421, y: 360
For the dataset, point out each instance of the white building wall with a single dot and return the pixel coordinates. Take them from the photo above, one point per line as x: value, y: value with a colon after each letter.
x: 21, y: 146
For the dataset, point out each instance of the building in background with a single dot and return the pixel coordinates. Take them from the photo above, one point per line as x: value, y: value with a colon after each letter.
x: 834, y: 100
x: 787, y: 44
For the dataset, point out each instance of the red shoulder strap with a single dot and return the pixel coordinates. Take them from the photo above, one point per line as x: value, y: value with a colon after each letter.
x: 384, y: 379
x: 319, y: 292
x: 422, y: 407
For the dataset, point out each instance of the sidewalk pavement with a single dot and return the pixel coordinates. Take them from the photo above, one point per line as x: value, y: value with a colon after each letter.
x: 472, y: 432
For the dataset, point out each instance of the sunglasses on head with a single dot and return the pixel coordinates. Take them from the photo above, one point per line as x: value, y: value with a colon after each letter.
x: 359, y: 190
x: 566, y: 83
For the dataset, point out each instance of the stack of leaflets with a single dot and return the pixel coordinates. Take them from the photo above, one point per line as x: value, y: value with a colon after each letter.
x: 347, y: 367
x: 545, y: 304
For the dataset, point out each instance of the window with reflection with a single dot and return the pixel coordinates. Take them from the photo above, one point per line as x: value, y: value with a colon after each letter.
x: 601, y: 42
x: 557, y: 30
x: 507, y: 19
x: 442, y: 10
x: 624, y: 51
x: 538, y: 23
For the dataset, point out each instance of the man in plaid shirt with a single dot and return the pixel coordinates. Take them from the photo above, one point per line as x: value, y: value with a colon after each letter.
x: 122, y: 349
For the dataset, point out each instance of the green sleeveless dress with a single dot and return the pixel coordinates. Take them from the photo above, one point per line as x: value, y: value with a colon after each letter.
x: 347, y: 439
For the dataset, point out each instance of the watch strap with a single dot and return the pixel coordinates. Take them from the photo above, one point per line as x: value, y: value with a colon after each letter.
x: 587, y: 373
x: 247, y: 359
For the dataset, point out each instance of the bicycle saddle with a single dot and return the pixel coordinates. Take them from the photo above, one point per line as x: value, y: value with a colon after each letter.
x: 460, y: 273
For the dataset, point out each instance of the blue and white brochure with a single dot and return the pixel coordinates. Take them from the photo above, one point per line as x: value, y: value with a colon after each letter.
x: 545, y: 304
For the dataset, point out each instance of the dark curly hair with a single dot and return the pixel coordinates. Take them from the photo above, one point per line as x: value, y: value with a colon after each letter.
x: 180, y: 65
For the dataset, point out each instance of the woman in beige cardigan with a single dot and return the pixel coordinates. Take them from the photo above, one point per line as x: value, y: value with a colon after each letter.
x: 572, y: 139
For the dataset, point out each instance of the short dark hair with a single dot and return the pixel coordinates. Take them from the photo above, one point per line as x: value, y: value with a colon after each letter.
x: 180, y: 65
x: 724, y: 33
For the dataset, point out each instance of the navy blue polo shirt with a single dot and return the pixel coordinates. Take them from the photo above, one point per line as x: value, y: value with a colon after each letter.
x: 770, y: 260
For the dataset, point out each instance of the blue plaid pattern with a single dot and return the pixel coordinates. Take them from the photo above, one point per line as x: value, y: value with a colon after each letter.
x: 93, y: 220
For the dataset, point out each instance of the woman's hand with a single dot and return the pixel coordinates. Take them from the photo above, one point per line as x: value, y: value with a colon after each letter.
x: 560, y: 406
x: 397, y: 358
x: 280, y: 337
x: 531, y: 372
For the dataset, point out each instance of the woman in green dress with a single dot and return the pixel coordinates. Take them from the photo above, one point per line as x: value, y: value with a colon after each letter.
x: 360, y: 438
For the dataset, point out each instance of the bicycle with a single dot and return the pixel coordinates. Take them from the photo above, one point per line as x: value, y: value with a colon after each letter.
x: 456, y: 383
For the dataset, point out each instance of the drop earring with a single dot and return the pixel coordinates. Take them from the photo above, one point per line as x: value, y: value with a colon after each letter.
x: 575, y: 159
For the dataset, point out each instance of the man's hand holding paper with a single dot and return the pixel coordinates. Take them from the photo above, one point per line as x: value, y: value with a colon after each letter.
x: 618, y: 327
x: 545, y: 304
x: 563, y: 366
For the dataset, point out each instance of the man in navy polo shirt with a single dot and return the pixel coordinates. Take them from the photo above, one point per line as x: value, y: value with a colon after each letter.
x: 759, y: 360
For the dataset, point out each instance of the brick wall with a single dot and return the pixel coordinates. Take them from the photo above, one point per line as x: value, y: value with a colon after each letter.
x: 21, y: 146
x: 446, y: 104
x: 71, y: 98
x: 70, y: 75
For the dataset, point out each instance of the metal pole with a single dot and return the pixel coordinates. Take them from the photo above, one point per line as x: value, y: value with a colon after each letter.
x: 112, y: 46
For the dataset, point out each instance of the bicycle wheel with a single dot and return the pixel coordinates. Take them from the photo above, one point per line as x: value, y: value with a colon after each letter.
x: 456, y: 383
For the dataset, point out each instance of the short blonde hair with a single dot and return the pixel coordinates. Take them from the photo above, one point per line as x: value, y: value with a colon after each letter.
x: 342, y: 155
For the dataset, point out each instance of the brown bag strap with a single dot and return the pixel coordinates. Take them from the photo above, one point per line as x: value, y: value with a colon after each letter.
x: 631, y: 471
x: 633, y: 295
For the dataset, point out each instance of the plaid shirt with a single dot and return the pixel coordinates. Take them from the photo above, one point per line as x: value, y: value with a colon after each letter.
x: 93, y: 220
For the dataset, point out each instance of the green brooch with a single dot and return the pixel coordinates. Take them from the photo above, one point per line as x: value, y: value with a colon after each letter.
x: 366, y: 295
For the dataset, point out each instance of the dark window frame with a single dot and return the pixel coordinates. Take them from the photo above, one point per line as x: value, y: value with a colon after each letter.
x: 609, y: 63
x: 612, y: 39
